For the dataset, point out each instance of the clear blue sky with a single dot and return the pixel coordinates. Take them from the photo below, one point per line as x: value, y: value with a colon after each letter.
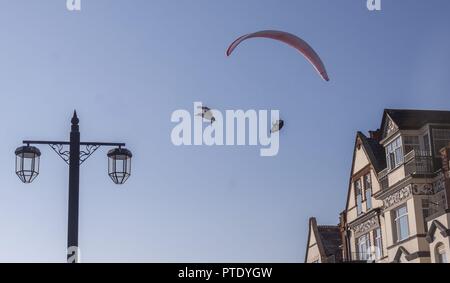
x: 127, y: 65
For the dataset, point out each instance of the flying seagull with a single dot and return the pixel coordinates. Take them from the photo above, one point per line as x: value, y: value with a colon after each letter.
x: 206, y: 114
x: 277, y: 126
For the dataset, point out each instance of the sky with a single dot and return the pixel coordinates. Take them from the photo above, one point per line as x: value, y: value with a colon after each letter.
x: 126, y: 66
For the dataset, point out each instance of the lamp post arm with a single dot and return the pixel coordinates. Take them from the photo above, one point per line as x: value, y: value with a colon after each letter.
x: 46, y: 142
x: 81, y: 143
x: 62, y: 148
x: 110, y: 144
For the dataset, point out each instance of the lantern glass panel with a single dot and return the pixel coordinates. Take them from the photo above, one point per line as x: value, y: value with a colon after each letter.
x: 27, y: 163
x: 119, y: 165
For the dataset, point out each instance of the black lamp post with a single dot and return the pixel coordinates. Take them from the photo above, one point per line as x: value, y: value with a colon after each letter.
x: 27, y: 169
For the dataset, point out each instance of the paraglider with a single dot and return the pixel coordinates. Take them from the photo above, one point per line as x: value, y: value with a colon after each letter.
x: 206, y: 114
x: 291, y: 40
x: 277, y: 126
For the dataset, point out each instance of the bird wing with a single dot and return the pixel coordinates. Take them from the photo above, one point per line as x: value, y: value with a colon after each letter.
x: 275, y: 128
x: 208, y: 115
x: 204, y: 108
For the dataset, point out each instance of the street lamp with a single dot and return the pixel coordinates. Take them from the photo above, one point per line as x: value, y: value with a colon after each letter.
x: 27, y: 163
x: 74, y: 153
x: 119, y: 165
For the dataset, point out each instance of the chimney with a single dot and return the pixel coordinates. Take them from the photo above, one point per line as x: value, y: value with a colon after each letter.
x: 376, y: 135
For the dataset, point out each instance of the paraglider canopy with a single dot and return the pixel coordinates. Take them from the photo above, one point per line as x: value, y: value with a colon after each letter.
x: 291, y: 40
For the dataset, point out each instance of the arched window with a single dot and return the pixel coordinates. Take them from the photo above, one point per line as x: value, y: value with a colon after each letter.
x: 440, y: 253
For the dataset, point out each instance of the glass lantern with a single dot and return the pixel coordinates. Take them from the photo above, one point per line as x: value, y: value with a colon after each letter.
x: 119, y: 165
x: 27, y: 163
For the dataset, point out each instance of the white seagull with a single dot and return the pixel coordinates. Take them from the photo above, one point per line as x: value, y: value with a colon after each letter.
x: 277, y: 126
x: 206, y: 114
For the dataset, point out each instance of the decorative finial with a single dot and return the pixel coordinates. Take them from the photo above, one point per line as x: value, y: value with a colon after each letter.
x: 75, y: 119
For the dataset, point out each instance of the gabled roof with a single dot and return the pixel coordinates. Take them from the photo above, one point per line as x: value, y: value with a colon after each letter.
x: 415, y: 119
x: 328, y: 240
x: 331, y: 239
x: 375, y: 152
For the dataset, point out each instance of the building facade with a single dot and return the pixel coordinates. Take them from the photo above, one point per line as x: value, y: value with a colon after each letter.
x: 398, y: 199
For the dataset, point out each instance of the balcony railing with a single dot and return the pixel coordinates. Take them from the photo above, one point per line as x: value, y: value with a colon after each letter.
x: 418, y: 162
x: 415, y: 162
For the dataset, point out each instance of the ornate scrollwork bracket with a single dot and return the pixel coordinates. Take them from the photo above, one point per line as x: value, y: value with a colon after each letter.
x: 63, y: 152
x: 87, y: 152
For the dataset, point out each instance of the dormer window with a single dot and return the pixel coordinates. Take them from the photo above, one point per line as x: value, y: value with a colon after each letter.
x: 394, y: 154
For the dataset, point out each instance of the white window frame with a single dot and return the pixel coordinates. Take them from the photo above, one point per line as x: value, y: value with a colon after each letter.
x: 369, y: 204
x: 397, y: 221
x: 359, y: 201
x: 395, y: 149
x: 378, y: 241
x: 363, y: 247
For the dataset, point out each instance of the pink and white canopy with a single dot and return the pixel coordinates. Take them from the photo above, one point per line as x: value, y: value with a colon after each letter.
x: 291, y: 40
